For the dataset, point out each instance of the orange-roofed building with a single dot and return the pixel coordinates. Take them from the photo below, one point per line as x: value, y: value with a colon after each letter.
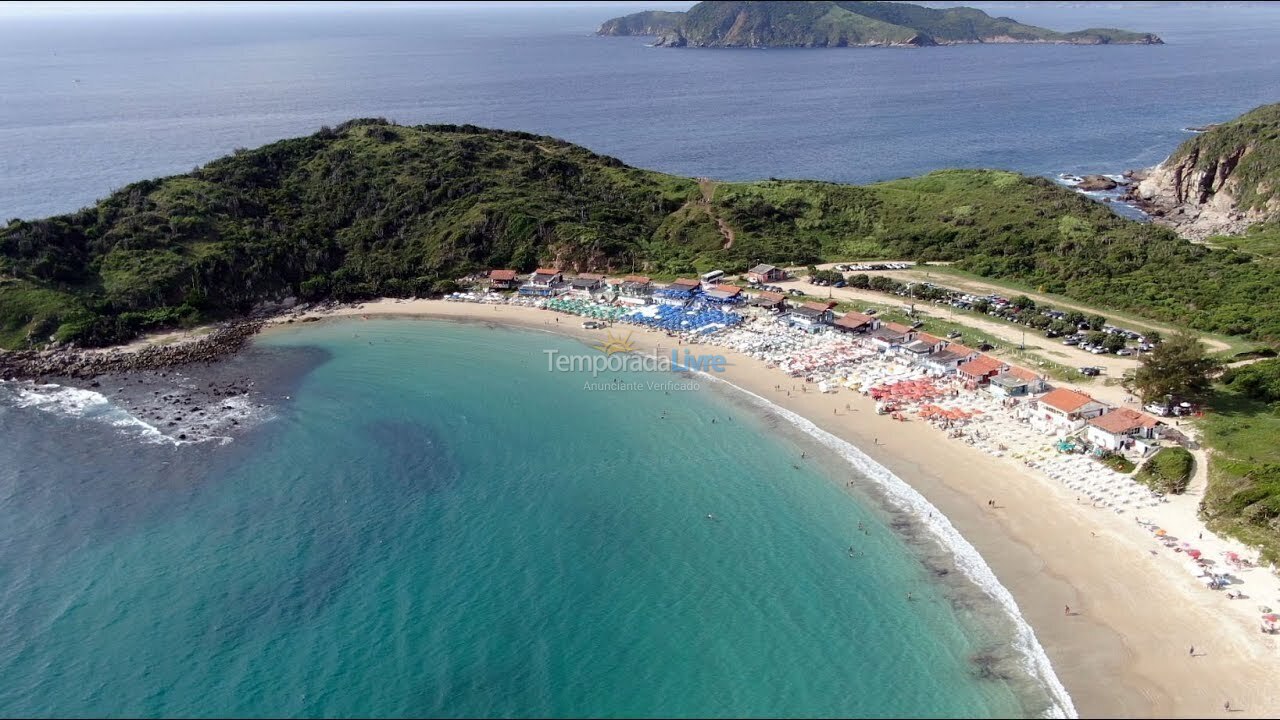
x: 1122, y: 429
x: 1064, y: 411
x: 854, y: 322
x: 546, y: 277
x: 811, y: 316
x: 635, y: 290
x: 502, y: 279
x: 770, y: 300
x: 980, y: 369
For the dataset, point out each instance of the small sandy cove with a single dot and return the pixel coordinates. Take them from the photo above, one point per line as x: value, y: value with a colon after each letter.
x: 1136, y: 609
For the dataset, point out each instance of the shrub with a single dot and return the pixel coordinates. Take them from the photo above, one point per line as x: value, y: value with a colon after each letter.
x: 1168, y: 471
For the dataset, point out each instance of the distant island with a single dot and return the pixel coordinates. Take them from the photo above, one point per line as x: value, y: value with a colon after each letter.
x: 840, y: 23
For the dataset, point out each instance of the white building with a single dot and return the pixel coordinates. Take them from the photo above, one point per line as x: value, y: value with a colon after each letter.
x: 1123, y: 429
x: 1064, y: 411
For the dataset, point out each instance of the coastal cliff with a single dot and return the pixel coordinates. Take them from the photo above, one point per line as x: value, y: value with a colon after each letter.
x: 842, y: 23
x: 1220, y: 182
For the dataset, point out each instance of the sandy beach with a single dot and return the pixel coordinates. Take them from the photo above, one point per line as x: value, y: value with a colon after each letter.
x: 1136, y: 610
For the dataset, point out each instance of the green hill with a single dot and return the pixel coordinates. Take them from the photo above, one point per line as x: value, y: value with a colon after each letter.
x: 371, y: 208
x: 841, y: 23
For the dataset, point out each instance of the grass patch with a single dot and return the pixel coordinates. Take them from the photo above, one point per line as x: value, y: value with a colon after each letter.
x: 27, y: 311
x: 1168, y: 471
x: 1243, y: 497
x: 1119, y: 463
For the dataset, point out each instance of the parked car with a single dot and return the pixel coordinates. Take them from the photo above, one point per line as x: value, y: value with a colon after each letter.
x: 592, y: 325
x: 1090, y: 371
x: 869, y: 311
x: 1124, y: 351
x: 953, y: 335
x: 795, y: 292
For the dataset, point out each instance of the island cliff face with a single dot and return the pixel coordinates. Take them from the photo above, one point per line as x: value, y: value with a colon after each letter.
x: 649, y: 22
x: 1219, y: 182
x: 844, y: 23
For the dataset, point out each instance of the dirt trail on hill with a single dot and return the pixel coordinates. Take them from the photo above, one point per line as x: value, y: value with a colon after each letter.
x: 708, y: 188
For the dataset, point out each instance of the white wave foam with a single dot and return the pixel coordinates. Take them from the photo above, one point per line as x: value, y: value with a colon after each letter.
x: 81, y: 403
x: 967, y: 557
x: 90, y: 405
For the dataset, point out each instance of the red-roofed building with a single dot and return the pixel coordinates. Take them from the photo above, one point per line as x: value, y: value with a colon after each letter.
x: 723, y: 294
x: 635, y: 290
x: 1065, y: 411
x: 855, y: 322
x: 979, y: 370
x: 770, y: 300
x: 546, y: 277
x: 502, y: 279
x: 890, y: 336
x: 1122, y: 429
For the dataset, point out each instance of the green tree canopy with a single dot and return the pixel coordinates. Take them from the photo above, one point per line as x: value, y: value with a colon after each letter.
x: 1179, y: 367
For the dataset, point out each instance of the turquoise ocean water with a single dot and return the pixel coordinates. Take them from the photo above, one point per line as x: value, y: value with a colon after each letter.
x: 434, y: 524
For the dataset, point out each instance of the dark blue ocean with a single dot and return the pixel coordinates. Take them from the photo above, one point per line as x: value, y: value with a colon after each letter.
x: 89, y: 104
x: 415, y: 518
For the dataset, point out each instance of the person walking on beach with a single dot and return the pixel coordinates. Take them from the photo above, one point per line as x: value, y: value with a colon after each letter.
x: 1192, y: 651
x: 1066, y: 610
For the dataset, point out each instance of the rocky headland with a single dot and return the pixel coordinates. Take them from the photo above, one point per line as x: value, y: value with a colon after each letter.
x: 1220, y: 182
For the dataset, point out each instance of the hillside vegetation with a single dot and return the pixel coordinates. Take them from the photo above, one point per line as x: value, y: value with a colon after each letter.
x: 371, y: 208
x: 842, y: 23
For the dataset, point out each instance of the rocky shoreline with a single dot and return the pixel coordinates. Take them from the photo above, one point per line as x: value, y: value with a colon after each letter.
x: 77, y: 364
x: 1179, y: 197
x: 150, y: 384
